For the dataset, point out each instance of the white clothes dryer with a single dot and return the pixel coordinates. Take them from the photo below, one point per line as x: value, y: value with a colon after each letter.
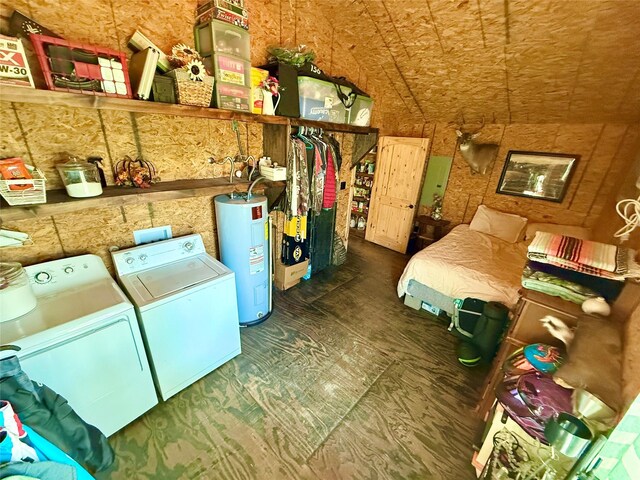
x: 187, y: 307
x: 83, y: 341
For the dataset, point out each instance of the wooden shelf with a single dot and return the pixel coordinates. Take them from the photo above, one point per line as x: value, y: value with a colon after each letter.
x: 358, y: 197
x: 359, y: 214
x: 363, y: 174
x: 79, y: 100
x: 58, y: 202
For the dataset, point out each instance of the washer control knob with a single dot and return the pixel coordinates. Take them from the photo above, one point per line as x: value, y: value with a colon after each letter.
x: 129, y: 260
x: 68, y: 269
x: 188, y: 246
x: 42, y: 277
x: 143, y: 257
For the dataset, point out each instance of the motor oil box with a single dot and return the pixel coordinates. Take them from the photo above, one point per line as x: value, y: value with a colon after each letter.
x: 14, y: 69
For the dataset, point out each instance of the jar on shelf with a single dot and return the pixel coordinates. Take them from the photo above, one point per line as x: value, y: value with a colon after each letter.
x: 362, y: 223
x: 81, y: 179
x: 16, y: 295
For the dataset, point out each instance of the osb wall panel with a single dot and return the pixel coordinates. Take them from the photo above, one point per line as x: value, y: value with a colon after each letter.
x: 264, y: 25
x: 53, y: 133
x: 604, y: 149
x: 343, y: 205
x: 180, y: 146
x: 46, y: 242
x: 12, y: 141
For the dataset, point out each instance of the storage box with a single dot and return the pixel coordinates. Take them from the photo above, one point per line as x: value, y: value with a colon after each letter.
x: 319, y: 100
x: 14, y: 68
x: 276, y: 174
x: 232, y: 70
x: 289, y: 276
x: 81, y: 68
x: 163, y: 89
x: 360, y: 112
x: 233, y: 97
x: 220, y: 37
x: 233, y: 13
x: 287, y: 75
x: 258, y: 75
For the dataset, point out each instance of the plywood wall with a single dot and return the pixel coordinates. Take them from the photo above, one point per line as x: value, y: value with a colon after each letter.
x: 178, y: 146
x: 605, y: 152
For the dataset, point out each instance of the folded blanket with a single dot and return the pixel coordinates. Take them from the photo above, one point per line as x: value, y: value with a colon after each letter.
x: 607, y: 288
x: 585, y: 256
x: 540, y: 281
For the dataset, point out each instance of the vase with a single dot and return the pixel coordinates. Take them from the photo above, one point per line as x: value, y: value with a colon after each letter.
x: 268, y: 105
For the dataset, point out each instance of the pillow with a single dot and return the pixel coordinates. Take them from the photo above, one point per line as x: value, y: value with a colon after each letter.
x: 594, y: 360
x: 582, y: 233
x: 505, y: 226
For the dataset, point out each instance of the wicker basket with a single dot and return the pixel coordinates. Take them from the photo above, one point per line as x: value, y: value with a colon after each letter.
x: 29, y: 196
x: 189, y: 92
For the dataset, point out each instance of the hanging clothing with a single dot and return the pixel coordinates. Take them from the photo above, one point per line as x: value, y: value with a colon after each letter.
x: 330, y: 186
x: 298, y: 179
x: 50, y: 415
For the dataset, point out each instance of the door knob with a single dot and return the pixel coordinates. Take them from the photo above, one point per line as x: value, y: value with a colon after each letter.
x: 410, y: 206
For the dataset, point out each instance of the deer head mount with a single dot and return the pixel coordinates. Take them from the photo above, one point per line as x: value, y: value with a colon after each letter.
x: 479, y: 156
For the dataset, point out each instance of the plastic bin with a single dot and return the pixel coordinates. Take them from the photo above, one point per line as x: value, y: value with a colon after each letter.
x: 360, y: 112
x: 319, y: 101
x: 232, y: 70
x: 233, y: 97
x: 222, y: 38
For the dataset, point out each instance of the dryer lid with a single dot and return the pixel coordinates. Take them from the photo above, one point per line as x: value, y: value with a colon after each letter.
x: 177, y: 276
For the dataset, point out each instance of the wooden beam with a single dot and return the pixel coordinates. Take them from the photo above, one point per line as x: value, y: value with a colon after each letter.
x: 58, y: 202
x: 363, y: 145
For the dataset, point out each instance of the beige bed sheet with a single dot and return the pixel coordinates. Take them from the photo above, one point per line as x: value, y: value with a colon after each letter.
x: 466, y: 263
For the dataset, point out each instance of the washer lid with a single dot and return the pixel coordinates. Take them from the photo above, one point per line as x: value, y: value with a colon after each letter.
x: 177, y: 276
x: 64, y: 313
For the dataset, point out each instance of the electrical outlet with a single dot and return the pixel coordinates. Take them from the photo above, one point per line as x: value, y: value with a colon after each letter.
x: 343, y: 185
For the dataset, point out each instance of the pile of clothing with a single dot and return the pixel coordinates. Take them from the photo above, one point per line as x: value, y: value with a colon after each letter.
x: 313, y: 170
x: 41, y: 436
x: 576, y: 269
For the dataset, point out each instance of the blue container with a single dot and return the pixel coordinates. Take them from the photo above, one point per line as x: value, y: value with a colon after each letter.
x: 245, y: 247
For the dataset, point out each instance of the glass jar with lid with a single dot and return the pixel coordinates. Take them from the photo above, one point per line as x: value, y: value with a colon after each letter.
x: 16, y: 295
x: 81, y: 179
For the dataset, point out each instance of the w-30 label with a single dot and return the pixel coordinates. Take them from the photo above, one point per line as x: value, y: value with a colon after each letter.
x: 256, y: 259
x: 12, y: 63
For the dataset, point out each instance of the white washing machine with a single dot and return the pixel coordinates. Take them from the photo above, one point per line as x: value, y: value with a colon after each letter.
x: 83, y: 341
x: 187, y: 307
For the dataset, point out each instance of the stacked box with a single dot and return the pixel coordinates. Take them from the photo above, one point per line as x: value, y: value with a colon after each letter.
x: 226, y: 51
x: 228, y: 11
x: 319, y: 100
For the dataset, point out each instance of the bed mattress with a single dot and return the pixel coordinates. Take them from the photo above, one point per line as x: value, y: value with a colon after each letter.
x: 466, y: 263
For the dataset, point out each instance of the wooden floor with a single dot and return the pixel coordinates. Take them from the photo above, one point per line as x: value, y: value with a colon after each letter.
x: 342, y: 382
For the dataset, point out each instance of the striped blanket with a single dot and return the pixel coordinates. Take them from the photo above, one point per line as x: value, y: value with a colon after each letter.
x: 593, y: 258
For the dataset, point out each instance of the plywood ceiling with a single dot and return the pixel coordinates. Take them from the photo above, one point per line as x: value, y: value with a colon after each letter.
x: 530, y: 61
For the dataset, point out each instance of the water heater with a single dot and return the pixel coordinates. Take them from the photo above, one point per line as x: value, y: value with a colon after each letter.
x: 245, y: 247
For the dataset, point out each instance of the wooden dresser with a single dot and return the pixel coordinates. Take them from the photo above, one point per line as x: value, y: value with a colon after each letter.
x: 525, y: 329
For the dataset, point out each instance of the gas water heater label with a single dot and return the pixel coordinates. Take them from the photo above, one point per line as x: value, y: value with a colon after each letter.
x: 256, y: 259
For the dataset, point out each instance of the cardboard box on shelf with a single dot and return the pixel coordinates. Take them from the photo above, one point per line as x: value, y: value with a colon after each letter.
x: 288, y: 276
x: 14, y: 68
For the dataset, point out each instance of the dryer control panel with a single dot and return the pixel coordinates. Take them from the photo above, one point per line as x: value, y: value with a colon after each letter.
x: 143, y: 257
x: 67, y: 273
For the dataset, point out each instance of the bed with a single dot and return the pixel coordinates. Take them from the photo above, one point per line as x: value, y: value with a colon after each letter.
x: 465, y: 263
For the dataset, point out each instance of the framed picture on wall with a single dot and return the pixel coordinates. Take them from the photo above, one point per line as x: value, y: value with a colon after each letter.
x: 545, y: 176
